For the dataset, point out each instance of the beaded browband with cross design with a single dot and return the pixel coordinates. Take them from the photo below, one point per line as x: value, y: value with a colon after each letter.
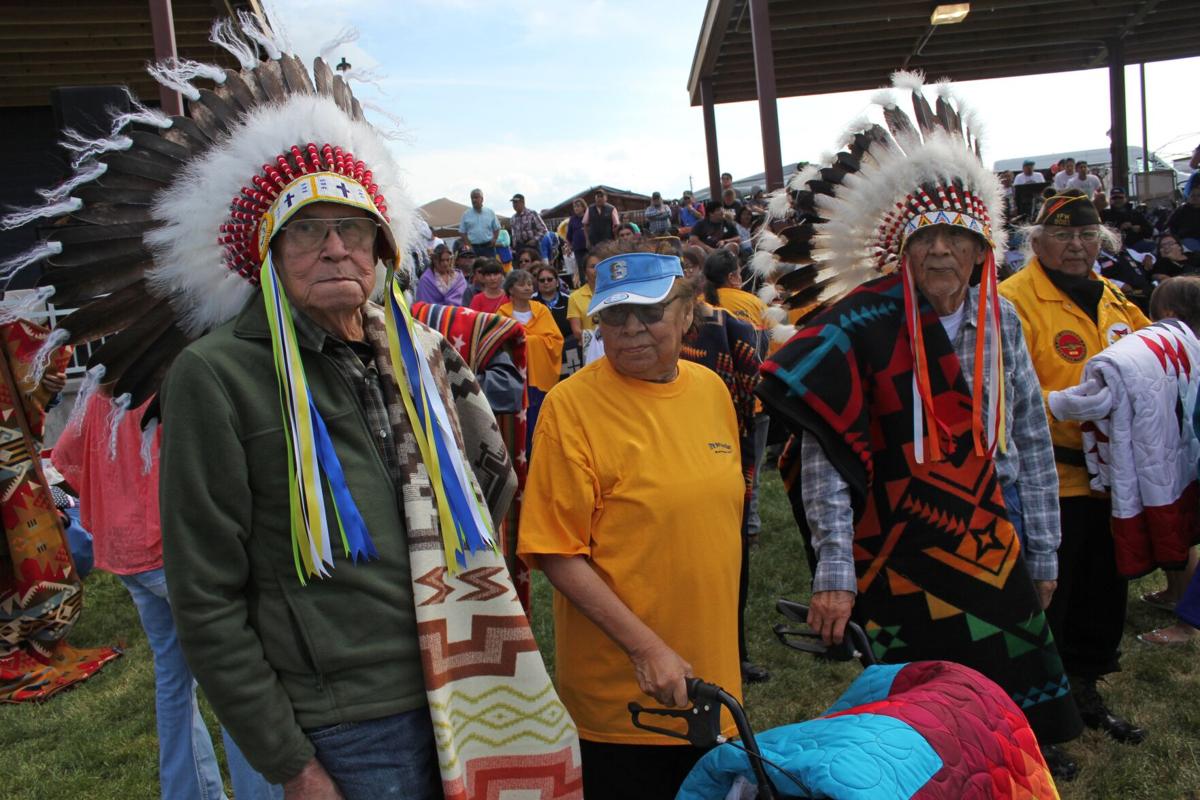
x: 295, y: 180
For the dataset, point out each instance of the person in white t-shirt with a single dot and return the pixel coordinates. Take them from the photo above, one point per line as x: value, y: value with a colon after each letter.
x: 1088, y: 184
x: 1063, y: 177
x: 1027, y: 175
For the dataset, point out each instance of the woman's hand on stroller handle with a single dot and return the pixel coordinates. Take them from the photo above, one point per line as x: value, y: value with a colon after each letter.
x: 662, y: 673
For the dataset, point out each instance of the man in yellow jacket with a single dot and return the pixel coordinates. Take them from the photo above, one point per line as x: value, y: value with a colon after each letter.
x: 1069, y: 314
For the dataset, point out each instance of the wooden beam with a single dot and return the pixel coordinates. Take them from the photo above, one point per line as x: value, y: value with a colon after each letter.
x: 61, y: 13
x: 100, y: 44
x: 170, y: 100
x: 710, y: 139
x: 712, y: 31
x: 1097, y: 25
x: 77, y: 30
x: 80, y: 79
x: 1118, y: 137
x: 768, y: 109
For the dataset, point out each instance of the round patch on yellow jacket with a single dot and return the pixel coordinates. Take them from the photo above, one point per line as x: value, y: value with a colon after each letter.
x: 1070, y: 346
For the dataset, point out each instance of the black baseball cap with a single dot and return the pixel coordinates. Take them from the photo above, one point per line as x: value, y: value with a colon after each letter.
x: 517, y: 196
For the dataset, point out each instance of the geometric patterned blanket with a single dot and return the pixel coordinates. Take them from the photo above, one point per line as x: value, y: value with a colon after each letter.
x: 931, y: 730
x: 939, y: 566
x: 41, y: 594
x: 500, y: 727
x: 478, y: 337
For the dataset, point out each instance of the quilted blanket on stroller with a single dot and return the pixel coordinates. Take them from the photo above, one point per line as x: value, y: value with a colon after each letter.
x: 925, y: 730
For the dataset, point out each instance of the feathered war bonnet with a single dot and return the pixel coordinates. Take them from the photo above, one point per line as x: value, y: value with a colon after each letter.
x: 856, y: 216
x: 163, y: 233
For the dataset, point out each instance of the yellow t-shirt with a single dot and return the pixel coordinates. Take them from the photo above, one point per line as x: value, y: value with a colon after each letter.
x: 577, y: 306
x: 645, y: 480
x: 743, y: 305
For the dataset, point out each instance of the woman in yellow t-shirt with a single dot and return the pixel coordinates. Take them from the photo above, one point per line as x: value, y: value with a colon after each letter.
x: 543, y: 343
x: 632, y: 508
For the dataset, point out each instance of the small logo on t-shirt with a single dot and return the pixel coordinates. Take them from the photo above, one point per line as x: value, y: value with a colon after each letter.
x: 720, y: 448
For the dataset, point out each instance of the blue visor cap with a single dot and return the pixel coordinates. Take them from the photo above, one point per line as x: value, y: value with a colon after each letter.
x: 637, y: 278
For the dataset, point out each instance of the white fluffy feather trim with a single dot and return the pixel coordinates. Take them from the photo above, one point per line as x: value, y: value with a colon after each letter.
x: 910, y: 79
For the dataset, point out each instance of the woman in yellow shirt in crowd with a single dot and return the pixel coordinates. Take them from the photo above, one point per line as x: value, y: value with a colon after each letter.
x: 633, y: 507
x: 543, y: 343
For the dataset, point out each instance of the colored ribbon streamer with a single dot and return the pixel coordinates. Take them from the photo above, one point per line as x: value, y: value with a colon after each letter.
x: 924, y: 412
x: 461, y: 517
x: 988, y: 428
x: 312, y: 461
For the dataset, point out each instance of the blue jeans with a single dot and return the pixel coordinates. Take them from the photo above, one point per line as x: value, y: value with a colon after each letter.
x: 762, y: 425
x: 187, y: 764
x: 388, y: 757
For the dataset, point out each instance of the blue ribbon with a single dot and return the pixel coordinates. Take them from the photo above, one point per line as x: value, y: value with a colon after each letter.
x: 354, y: 529
x: 459, y: 497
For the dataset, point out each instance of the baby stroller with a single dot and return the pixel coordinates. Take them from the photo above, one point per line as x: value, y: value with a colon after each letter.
x: 931, y: 729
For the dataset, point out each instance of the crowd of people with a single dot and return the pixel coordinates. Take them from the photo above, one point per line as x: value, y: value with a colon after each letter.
x: 372, y: 436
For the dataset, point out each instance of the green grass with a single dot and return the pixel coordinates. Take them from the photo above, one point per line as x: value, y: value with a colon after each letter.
x: 98, y: 742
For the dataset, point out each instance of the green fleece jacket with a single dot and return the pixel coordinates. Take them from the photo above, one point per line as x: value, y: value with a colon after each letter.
x: 273, y: 656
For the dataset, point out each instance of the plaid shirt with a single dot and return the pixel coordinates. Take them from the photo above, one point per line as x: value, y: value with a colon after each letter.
x: 1028, y: 463
x: 527, y: 228
x: 658, y: 219
x: 356, y: 363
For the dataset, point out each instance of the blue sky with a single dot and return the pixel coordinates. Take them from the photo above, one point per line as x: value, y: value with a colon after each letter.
x: 547, y: 98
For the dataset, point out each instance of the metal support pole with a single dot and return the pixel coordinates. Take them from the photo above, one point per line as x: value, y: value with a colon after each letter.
x: 1116, y: 98
x: 764, y: 75
x: 710, y: 139
x: 162, y: 23
x: 1145, y: 133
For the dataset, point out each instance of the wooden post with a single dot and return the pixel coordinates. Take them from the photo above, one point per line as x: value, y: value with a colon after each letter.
x: 1145, y: 133
x: 1119, y: 176
x: 710, y: 139
x: 764, y: 75
x: 162, y: 22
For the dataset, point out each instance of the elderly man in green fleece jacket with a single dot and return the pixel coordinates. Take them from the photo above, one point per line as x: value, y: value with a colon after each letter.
x: 308, y: 678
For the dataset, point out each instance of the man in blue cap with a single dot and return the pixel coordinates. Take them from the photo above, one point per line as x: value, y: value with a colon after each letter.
x: 633, y: 509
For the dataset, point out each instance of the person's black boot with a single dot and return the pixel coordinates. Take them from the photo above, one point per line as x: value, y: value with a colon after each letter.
x: 753, y: 673
x: 1098, y: 716
x: 1062, y: 768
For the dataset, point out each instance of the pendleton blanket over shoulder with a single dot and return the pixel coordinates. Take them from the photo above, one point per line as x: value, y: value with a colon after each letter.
x: 940, y: 572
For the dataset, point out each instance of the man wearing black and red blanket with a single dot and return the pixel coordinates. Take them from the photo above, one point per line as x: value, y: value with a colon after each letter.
x: 921, y: 462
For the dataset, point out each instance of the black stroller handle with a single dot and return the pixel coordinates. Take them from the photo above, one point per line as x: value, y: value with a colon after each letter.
x: 704, y: 725
x: 855, y: 644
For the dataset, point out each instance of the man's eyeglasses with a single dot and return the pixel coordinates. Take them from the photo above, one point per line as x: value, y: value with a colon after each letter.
x: 1065, y: 237
x: 647, y: 315
x: 309, y: 234
x: 548, y: 279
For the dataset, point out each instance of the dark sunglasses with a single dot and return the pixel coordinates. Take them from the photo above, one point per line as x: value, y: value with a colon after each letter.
x: 548, y: 279
x: 647, y: 315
